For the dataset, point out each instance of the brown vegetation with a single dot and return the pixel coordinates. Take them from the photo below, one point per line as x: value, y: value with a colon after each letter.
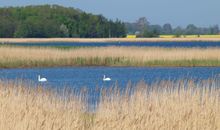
x: 108, y: 56
x: 167, y: 105
x: 40, y: 40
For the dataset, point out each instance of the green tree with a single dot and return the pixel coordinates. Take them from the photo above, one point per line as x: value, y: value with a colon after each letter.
x: 7, y: 27
x: 167, y: 29
x: 56, y: 21
x: 191, y: 29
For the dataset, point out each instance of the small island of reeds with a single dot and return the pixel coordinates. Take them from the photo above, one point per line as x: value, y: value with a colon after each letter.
x: 26, y: 57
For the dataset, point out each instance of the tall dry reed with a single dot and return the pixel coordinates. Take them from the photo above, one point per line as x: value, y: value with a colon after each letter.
x: 108, y: 56
x: 208, y: 38
x: 165, y: 105
x: 23, y: 107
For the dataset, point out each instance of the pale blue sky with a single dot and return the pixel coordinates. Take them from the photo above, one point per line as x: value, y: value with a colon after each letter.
x: 176, y: 12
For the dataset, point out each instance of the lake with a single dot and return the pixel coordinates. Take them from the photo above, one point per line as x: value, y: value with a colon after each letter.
x: 76, y: 78
x: 138, y: 44
x: 91, y: 77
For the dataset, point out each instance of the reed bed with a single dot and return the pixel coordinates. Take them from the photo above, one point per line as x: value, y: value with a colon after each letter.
x: 23, y: 107
x: 11, y: 57
x: 164, y: 105
x: 209, y: 38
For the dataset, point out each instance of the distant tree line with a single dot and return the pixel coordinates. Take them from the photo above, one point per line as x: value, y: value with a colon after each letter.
x: 143, y: 28
x: 48, y: 21
x: 56, y: 21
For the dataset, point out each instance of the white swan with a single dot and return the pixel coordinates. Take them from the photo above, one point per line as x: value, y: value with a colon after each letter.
x: 106, y: 79
x: 41, y: 79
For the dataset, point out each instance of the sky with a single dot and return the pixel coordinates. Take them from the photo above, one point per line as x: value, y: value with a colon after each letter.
x: 203, y: 13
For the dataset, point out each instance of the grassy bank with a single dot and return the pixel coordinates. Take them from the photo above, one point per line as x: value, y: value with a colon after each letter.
x: 22, y: 57
x: 167, y: 105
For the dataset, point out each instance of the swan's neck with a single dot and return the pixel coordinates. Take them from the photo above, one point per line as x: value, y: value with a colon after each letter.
x: 38, y: 77
x: 104, y: 77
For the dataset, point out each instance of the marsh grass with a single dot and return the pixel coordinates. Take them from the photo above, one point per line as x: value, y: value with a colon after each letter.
x: 13, y: 57
x: 24, y: 107
x: 209, y: 38
x: 164, y: 105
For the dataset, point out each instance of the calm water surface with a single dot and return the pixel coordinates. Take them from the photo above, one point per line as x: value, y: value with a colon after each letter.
x: 91, y: 77
x: 76, y: 78
x: 138, y: 44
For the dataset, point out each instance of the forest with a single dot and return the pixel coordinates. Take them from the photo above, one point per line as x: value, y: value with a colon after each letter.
x: 143, y: 28
x: 48, y: 21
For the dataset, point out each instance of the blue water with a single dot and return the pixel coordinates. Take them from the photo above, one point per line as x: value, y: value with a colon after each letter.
x: 91, y: 77
x: 139, y: 44
x: 75, y: 78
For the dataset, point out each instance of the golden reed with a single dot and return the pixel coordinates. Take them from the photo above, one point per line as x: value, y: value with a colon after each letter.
x: 113, y: 56
x: 165, y: 106
x: 101, y: 40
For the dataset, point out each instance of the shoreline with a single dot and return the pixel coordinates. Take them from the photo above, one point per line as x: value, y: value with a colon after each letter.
x: 112, y: 66
x: 103, y: 40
